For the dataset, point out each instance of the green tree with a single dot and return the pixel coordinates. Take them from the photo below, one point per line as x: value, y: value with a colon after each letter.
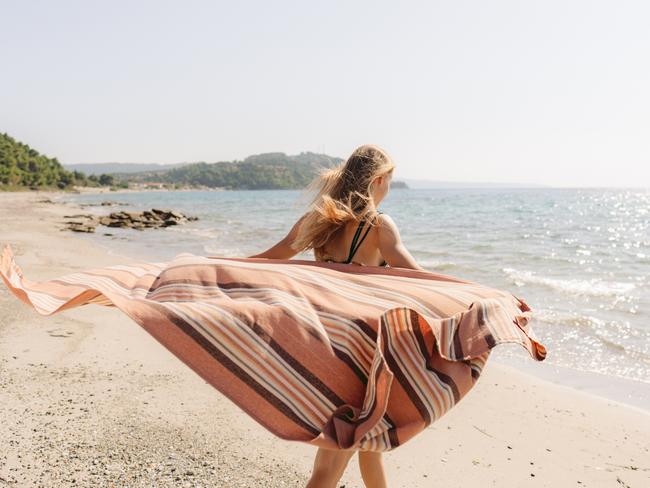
x: 105, y: 179
x: 21, y: 165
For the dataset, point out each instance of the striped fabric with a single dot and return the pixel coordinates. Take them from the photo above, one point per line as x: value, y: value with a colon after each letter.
x: 334, y: 355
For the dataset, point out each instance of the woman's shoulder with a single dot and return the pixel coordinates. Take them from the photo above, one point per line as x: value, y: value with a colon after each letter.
x: 385, y: 220
x: 386, y: 227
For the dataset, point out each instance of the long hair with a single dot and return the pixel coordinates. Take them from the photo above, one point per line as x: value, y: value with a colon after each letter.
x: 342, y: 194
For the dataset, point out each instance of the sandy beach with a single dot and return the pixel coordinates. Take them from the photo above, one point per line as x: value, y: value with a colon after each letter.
x: 88, y: 398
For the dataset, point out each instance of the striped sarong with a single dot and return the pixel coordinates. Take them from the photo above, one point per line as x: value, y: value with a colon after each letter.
x: 335, y: 355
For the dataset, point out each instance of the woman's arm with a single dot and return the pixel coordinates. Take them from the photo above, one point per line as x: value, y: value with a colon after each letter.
x: 391, y: 246
x: 283, y: 249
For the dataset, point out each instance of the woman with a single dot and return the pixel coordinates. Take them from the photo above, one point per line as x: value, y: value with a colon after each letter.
x: 343, y: 216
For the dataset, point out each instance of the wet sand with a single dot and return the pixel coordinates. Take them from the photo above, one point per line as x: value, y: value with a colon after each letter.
x: 88, y: 398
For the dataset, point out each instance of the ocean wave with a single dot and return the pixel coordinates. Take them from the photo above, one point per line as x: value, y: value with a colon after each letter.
x: 593, y: 287
x: 555, y: 317
x: 617, y: 339
x: 195, y: 231
x: 434, y: 263
x: 630, y: 351
x: 216, y: 250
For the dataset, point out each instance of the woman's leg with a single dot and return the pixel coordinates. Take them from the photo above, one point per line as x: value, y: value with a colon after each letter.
x: 329, y: 466
x: 371, y: 465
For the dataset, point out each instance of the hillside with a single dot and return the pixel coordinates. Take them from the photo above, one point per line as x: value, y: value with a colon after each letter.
x: 270, y: 171
x: 261, y: 171
x: 22, y: 166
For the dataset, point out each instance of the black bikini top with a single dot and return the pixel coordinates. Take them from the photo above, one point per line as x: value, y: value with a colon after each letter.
x: 356, y: 243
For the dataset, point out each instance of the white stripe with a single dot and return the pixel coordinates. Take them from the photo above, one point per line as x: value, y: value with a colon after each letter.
x: 412, y: 348
x: 394, y: 348
x: 257, y: 348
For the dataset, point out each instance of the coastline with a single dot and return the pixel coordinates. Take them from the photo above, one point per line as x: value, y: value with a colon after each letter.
x: 625, y: 391
x: 120, y: 405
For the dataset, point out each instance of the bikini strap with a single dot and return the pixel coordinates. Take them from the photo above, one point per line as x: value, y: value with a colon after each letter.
x: 354, y: 242
x: 354, y: 247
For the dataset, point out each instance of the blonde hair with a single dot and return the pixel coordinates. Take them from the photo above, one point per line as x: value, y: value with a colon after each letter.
x: 342, y: 194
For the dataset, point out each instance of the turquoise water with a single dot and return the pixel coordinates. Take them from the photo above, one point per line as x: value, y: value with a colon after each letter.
x: 579, y: 257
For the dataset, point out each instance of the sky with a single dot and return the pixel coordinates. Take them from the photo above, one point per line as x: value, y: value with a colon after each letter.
x: 544, y: 92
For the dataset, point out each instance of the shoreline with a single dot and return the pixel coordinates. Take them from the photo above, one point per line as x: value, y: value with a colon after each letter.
x: 96, y: 190
x: 119, y: 404
x: 624, y: 391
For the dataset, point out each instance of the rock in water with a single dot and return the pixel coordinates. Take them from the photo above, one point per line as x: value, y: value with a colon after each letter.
x: 153, y: 218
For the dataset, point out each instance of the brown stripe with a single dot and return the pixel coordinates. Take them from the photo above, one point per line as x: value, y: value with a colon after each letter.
x: 482, y: 316
x: 403, y: 381
x: 393, y: 438
x: 299, y: 368
x: 475, y: 372
x: 225, y: 361
x: 345, y: 358
x: 458, y: 344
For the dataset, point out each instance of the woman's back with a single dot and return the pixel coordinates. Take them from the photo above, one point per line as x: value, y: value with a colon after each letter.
x: 355, y: 242
x: 382, y: 246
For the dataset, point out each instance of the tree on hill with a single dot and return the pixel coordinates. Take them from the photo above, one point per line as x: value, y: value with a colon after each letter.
x: 105, y: 180
x: 256, y: 172
x: 20, y: 165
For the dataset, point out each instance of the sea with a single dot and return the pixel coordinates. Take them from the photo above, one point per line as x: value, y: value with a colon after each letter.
x: 580, y: 258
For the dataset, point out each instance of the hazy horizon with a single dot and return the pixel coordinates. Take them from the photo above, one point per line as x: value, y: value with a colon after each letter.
x: 551, y: 93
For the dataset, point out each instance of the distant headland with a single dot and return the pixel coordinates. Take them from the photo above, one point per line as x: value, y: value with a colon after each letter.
x: 24, y: 168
